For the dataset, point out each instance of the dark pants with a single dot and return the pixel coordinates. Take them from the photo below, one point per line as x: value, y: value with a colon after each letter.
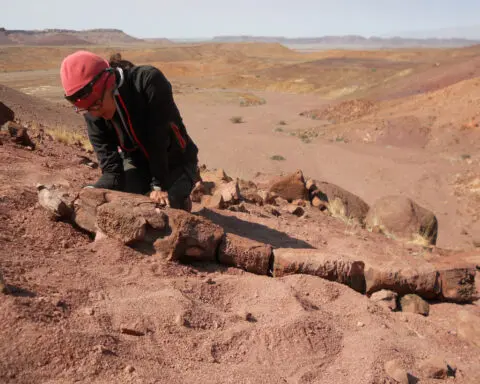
x: 138, y: 179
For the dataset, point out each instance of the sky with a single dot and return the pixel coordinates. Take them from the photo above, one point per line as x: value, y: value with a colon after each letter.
x: 208, y: 18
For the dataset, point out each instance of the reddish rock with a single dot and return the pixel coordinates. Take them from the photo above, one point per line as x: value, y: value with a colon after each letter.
x: 401, y: 218
x: 19, y: 135
x: 385, y: 298
x: 316, y: 262
x: 414, y: 304
x: 458, y: 284
x: 247, y: 254
x: 56, y: 201
x: 190, y: 237
x: 6, y: 114
x: 290, y: 187
x: 340, y: 202
x: 120, y: 221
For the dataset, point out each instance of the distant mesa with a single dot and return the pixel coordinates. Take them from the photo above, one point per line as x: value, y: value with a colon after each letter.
x: 65, y: 37
x: 352, y: 40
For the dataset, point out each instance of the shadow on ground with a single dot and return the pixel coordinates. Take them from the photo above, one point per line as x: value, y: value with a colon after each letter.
x: 253, y: 231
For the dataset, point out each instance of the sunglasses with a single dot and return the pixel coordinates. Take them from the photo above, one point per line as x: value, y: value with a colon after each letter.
x: 95, y: 106
x: 87, y: 90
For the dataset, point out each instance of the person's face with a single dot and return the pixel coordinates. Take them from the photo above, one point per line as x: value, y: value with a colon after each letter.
x: 104, y: 107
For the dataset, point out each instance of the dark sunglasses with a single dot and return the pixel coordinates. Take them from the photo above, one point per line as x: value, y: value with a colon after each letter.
x: 87, y: 89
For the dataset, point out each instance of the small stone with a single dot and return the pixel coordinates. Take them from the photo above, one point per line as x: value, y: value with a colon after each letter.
x: 299, y: 202
x: 434, y: 368
x: 101, y: 349
x: 385, y: 298
x: 310, y: 185
x: 179, y: 320
x: 89, y: 311
x: 414, y: 304
x: 3, y: 286
x: 129, y: 369
x: 394, y: 369
x: 274, y: 211
x: 360, y: 324
x: 295, y: 210
x: 209, y: 280
x: 132, y: 332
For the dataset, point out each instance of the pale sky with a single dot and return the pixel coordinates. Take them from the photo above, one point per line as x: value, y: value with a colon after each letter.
x: 208, y: 18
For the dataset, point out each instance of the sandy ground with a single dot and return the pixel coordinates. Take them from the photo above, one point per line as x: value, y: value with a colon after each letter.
x: 71, y: 297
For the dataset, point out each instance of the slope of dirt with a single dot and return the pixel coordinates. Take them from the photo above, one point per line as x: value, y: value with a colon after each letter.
x: 94, y: 312
x: 33, y: 110
x: 67, y: 37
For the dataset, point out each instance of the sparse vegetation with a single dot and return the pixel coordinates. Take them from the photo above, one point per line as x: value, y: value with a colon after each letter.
x: 465, y: 156
x: 282, y: 122
x: 68, y: 137
x: 279, y: 129
x: 277, y: 158
x: 248, y: 100
x: 237, y: 120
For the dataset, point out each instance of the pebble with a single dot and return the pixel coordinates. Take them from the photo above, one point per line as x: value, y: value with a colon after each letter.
x: 129, y: 369
x: 360, y: 324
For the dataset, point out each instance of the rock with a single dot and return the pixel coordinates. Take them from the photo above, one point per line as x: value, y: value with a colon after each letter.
x: 244, y: 253
x: 129, y: 369
x: 201, y: 189
x: 434, y: 368
x: 468, y: 327
x: 444, y: 278
x: 6, y: 114
x: 340, y: 203
x: 310, y: 185
x: 395, y: 371
x: 249, y: 192
x: 319, y: 203
x: 3, y: 285
x: 414, y: 304
x: 118, y: 220
x: 191, y: 237
x: 239, y: 208
x: 180, y: 320
x: 360, y: 324
x: 85, y: 208
x: 84, y: 160
x: 56, y: 201
x: 401, y: 218
x: 131, y: 332
x: 230, y: 192
x: 290, y: 187
x: 215, y: 202
x: 267, y: 197
x: 221, y: 175
x: 19, y: 135
x: 295, y: 210
x: 316, y: 262
x: 457, y: 284
x: 385, y: 298
x: 123, y: 216
x: 300, y: 203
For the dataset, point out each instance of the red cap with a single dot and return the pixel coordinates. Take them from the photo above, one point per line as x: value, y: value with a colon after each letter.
x: 78, y: 69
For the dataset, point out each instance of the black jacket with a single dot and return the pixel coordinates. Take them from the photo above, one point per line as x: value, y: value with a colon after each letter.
x: 147, y: 127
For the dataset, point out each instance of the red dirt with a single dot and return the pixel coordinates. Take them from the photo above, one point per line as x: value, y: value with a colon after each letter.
x: 92, y: 312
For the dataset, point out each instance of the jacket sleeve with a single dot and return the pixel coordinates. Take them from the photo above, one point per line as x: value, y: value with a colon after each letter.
x: 110, y: 162
x: 158, y: 93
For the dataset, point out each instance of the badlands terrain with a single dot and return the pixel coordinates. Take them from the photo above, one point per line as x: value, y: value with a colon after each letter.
x: 313, y: 143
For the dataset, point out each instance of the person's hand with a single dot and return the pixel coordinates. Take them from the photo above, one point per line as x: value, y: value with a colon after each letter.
x: 160, y: 197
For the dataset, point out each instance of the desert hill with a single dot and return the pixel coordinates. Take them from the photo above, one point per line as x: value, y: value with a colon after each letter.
x: 353, y: 41
x: 65, y: 37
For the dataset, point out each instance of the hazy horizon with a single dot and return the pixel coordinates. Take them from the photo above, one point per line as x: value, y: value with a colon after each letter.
x: 303, y: 18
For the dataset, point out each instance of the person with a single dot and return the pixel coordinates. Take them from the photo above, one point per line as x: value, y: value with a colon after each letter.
x: 134, y: 126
